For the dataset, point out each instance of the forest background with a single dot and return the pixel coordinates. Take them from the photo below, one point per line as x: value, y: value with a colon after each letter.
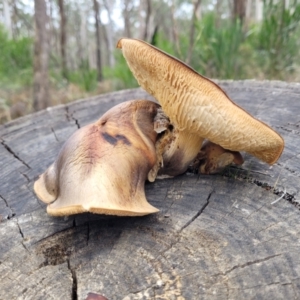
x: 55, y: 51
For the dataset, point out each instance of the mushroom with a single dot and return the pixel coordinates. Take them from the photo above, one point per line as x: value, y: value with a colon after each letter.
x: 213, y: 158
x: 197, y: 107
x: 103, y: 166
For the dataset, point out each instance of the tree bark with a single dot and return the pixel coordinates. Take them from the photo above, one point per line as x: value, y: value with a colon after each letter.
x: 110, y: 34
x: 63, y: 38
x: 127, y: 25
x: 98, y: 47
x: 7, y: 18
x: 41, y: 97
x: 175, y: 34
x: 83, y: 43
x: 239, y: 9
x: 259, y: 7
x: 145, y: 6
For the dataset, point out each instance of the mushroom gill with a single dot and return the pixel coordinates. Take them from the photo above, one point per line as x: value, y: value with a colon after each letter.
x: 103, y: 166
x: 198, y: 106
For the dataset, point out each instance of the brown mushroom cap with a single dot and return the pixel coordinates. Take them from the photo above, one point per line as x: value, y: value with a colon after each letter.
x: 103, y: 166
x: 197, y: 105
x: 213, y: 158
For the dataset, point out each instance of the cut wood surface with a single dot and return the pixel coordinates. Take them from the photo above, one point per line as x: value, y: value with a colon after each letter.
x: 215, y: 237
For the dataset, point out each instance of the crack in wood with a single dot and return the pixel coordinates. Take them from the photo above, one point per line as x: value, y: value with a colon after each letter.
x: 22, y: 235
x: 20, y: 230
x: 14, y: 154
x: 287, y: 196
x: 289, y: 130
x: 74, y: 280
x: 261, y: 285
x: 177, y: 235
x: 12, y: 214
x: 71, y: 117
x: 277, y: 238
x: 250, y: 263
x: 197, y: 214
x: 26, y: 176
x: 88, y: 233
x: 54, y: 134
x: 53, y: 235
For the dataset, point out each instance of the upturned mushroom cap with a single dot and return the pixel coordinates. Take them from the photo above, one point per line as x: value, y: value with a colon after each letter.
x: 213, y: 158
x: 197, y: 105
x: 103, y: 166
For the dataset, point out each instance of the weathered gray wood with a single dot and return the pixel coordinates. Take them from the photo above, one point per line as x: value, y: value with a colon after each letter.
x: 215, y: 237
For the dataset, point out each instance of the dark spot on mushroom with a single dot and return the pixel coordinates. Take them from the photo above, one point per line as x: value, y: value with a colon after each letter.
x: 123, y: 138
x: 110, y: 139
x: 171, y: 127
x: 113, y: 140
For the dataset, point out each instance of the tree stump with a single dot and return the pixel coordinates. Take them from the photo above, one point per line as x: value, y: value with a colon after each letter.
x: 215, y: 237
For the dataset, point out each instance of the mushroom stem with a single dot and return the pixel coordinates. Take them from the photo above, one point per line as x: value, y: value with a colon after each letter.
x: 178, y: 149
x: 175, y: 149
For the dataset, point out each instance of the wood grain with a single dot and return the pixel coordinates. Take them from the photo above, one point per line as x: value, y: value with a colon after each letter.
x: 215, y: 237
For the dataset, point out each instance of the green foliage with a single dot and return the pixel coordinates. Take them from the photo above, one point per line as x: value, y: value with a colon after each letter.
x: 15, y: 60
x: 223, y: 48
x: 217, y: 48
x: 120, y: 75
x: 277, y: 42
x: 228, y: 49
x: 164, y: 44
x: 84, y: 77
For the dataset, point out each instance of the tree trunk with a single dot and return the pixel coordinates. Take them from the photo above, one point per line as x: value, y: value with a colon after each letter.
x: 63, y: 38
x: 145, y: 7
x: 175, y: 34
x: 7, y: 18
x: 192, y: 30
x: 110, y: 34
x: 259, y: 7
x: 83, y: 43
x: 127, y: 25
x: 98, y: 48
x: 239, y: 9
x: 41, y: 98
